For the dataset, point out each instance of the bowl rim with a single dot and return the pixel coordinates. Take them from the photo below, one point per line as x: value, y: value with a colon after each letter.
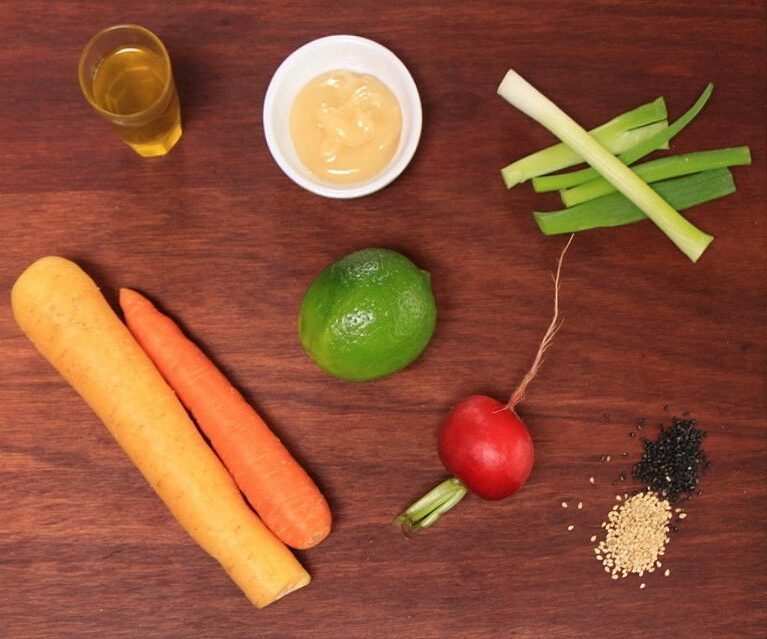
x: 381, y: 180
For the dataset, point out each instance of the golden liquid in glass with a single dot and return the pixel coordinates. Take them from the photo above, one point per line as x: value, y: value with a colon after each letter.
x: 130, y: 80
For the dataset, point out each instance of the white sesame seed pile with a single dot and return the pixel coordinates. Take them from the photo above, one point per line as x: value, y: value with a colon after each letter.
x: 636, y: 535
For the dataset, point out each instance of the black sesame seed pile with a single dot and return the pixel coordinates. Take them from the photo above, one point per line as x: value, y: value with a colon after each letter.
x: 671, y: 465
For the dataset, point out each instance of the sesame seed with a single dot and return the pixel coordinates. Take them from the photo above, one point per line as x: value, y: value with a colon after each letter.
x: 641, y: 586
x: 667, y: 573
x: 591, y: 480
x: 682, y: 515
x: 593, y: 538
x: 673, y: 463
x: 636, y: 534
x: 570, y: 527
x: 564, y: 504
x: 580, y: 505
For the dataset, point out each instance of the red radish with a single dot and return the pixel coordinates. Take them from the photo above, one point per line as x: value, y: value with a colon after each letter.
x: 487, y: 447
x: 484, y: 444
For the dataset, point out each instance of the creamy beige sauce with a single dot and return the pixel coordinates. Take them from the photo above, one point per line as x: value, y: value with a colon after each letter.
x: 345, y: 126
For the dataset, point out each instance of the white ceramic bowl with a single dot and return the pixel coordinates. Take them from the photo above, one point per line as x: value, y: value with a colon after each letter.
x: 327, y: 54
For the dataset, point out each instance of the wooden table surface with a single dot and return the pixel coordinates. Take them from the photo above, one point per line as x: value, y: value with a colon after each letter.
x: 226, y: 243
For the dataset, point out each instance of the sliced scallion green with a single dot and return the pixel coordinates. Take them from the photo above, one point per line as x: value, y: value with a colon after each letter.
x: 574, y: 178
x: 612, y: 134
x: 616, y: 210
x: 662, y: 169
x: 520, y: 93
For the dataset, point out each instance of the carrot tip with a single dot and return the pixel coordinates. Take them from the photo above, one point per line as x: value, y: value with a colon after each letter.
x: 130, y: 299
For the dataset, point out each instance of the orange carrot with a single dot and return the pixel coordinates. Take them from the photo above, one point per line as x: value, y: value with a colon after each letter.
x: 277, y: 487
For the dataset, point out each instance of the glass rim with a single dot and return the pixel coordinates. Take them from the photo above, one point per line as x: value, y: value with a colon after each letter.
x: 86, y: 80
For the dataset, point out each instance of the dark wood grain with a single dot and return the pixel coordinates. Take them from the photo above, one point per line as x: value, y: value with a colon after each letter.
x: 228, y: 244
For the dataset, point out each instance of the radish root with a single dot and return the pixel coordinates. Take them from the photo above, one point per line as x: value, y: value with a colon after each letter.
x: 519, y: 394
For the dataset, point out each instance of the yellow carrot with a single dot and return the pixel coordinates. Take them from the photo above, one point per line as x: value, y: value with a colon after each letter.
x: 66, y: 317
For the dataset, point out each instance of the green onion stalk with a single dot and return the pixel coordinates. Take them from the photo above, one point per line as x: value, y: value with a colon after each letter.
x: 521, y: 94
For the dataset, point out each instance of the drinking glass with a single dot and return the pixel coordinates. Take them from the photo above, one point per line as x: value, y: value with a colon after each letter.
x: 126, y: 76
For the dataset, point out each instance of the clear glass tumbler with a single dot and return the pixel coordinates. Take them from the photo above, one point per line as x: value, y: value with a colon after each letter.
x: 126, y: 76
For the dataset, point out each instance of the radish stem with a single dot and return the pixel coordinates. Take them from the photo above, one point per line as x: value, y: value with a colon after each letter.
x: 689, y: 239
x: 427, y: 510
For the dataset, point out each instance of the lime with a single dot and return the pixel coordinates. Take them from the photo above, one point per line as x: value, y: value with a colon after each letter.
x: 367, y: 315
